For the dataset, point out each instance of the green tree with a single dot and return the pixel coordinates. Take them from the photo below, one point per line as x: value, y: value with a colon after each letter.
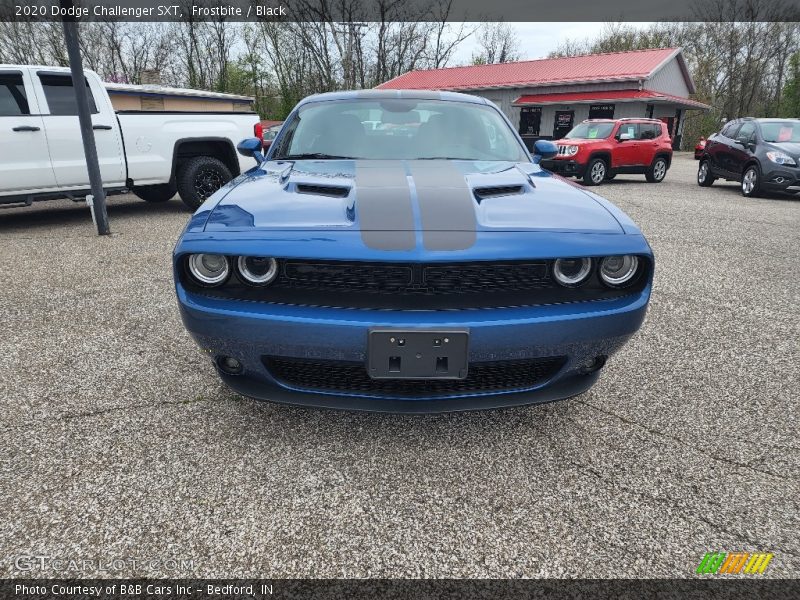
x: 790, y: 107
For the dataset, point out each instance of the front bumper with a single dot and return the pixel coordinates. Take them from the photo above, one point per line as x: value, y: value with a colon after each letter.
x: 780, y: 178
x: 562, y: 166
x: 251, y: 332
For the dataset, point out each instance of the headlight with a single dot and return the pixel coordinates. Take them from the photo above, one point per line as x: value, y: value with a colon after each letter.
x: 781, y: 158
x: 616, y: 271
x: 571, y: 150
x: 209, y: 269
x: 257, y: 270
x: 571, y: 272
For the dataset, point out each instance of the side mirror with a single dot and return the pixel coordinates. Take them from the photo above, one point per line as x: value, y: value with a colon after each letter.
x: 251, y: 147
x: 544, y: 149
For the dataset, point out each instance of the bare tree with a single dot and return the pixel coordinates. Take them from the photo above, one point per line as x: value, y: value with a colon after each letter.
x: 498, y: 43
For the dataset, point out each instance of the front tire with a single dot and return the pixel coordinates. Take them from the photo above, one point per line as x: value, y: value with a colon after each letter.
x: 657, y: 171
x: 751, y: 182
x: 704, y: 176
x: 155, y: 193
x: 596, y: 172
x: 199, y: 177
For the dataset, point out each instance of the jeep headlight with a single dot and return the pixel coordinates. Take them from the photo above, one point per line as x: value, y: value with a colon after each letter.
x: 781, y: 158
x: 571, y: 150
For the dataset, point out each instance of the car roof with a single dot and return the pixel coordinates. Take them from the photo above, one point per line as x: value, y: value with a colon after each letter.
x: 393, y: 94
x: 625, y: 120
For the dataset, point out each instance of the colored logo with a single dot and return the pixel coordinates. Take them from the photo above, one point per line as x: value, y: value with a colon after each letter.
x: 735, y: 563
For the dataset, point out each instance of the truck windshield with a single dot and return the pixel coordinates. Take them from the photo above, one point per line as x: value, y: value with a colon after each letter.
x: 781, y: 131
x: 590, y: 131
x: 398, y: 129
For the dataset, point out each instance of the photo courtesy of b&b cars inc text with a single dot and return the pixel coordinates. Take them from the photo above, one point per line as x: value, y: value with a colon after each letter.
x: 399, y: 299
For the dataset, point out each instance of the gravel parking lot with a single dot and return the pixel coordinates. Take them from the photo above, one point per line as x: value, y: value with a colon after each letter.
x: 118, y: 440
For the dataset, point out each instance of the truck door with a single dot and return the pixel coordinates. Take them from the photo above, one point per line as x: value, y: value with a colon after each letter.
x: 24, y: 158
x: 55, y: 91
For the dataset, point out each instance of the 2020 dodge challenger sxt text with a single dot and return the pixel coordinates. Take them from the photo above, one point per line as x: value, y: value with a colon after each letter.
x: 423, y: 264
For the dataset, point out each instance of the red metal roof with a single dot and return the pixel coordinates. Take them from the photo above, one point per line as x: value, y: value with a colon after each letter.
x: 619, y: 66
x: 608, y: 96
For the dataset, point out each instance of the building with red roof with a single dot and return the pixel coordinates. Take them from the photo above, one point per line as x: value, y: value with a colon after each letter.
x: 545, y: 98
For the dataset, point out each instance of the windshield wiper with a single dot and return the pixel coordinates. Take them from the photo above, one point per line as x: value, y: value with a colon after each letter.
x: 310, y: 155
x: 444, y: 158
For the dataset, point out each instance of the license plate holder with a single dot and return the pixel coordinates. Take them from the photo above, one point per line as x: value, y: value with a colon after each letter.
x: 418, y: 354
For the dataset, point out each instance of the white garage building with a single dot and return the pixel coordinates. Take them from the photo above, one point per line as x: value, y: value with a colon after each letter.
x: 545, y: 98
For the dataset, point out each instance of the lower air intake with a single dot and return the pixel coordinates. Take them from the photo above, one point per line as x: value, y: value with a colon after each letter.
x: 352, y: 377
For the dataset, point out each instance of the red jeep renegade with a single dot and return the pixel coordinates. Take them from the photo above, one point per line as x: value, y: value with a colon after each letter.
x: 599, y: 149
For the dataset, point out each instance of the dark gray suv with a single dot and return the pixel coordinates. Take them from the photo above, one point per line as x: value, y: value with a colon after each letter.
x: 763, y: 154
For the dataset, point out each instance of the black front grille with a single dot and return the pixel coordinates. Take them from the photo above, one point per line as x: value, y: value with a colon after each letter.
x: 352, y: 377
x: 414, y: 286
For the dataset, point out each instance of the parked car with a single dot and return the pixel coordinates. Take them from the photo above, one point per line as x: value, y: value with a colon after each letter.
x: 597, y: 150
x: 443, y: 270
x: 763, y: 154
x: 154, y: 154
x: 699, y: 147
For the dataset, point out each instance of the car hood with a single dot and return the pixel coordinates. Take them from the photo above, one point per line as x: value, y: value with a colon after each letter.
x: 790, y: 148
x: 579, y: 141
x: 428, y: 195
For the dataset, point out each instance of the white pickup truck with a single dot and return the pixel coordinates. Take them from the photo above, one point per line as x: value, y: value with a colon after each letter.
x: 153, y: 154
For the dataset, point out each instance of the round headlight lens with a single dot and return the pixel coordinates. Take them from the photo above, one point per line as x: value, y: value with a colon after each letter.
x: 572, y: 150
x: 619, y: 270
x: 572, y: 271
x: 209, y: 269
x: 257, y: 270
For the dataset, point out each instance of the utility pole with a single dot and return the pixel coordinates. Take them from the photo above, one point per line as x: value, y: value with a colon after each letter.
x: 98, y: 201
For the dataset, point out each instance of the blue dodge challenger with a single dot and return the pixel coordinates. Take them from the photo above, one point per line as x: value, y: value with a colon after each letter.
x: 402, y: 251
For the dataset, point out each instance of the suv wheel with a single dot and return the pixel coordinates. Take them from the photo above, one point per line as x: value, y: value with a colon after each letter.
x: 595, y: 172
x: 751, y: 182
x: 704, y: 176
x: 199, y: 177
x: 657, y: 171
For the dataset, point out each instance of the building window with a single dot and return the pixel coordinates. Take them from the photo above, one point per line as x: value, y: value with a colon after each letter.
x: 530, y: 117
x: 601, y: 111
x: 152, y: 103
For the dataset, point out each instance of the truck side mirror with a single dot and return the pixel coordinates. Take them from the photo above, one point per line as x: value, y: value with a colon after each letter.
x: 251, y: 147
x: 544, y: 149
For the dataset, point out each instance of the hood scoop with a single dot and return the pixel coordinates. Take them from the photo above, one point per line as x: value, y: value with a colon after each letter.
x: 334, y: 191
x: 493, y: 191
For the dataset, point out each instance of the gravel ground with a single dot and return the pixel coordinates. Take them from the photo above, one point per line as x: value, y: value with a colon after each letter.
x: 119, y: 441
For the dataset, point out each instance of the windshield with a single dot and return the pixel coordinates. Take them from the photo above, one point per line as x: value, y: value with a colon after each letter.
x: 398, y: 129
x: 590, y: 131
x: 781, y: 131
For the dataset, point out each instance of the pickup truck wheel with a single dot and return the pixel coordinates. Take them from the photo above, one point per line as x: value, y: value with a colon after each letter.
x: 199, y: 177
x: 155, y: 193
x: 657, y: 171
x: 595, y: 172
x: 704, y: 176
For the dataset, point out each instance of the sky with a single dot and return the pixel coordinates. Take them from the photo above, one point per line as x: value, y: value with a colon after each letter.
x: 538, y: 39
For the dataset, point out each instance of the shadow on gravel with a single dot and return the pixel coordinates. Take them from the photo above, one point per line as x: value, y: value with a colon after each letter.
x: 64, y: 212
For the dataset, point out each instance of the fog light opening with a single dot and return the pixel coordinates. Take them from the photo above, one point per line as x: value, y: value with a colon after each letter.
x: 597, y: 363
x: 229, y: 365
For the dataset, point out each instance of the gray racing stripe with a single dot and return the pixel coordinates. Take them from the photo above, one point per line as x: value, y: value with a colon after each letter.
x: 446, y: 206
x: 383, y: 203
